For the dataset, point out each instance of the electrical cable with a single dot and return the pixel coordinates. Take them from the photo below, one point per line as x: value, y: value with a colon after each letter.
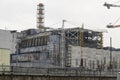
x: 72, y: 23
x: 56, y: 23
x: 116, y: 2
x: 117, y: 20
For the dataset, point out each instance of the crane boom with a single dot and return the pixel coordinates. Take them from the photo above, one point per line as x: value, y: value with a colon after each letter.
x: 113, y: 26
x: 110, y: 5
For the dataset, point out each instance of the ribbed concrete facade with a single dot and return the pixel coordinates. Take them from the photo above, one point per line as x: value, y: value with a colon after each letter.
x: 93, y: 58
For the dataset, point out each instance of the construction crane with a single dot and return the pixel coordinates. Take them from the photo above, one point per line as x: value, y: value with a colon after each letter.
x: 112, y: 26
x: 110, y: 5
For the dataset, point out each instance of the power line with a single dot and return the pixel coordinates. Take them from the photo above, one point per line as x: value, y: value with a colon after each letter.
x: 117, y: 20
x: 116, y: 2
x: 72, y: 23
x: 55, y: 23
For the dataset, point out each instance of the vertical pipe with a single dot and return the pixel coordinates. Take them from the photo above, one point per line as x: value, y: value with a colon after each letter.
x: 63, y: 45
x: 110, y: 53
x: 81, y: 45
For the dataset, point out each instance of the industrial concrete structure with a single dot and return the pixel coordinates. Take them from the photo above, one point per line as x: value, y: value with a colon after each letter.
x: 64, y: 53
x: 52, y: 77
x: 5, y: 39
x: 36, y: 48
x: 4, y: 56
x: 71, y: 47
x: 43, y: 49
x: 93, y: 58
x: 5, y: 47
x: 40, y: 18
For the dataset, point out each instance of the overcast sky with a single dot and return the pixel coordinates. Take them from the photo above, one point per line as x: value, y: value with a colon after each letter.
x: 21, y: 14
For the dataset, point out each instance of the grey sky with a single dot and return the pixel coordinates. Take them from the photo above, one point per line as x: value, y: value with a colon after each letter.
x: 21, y: 14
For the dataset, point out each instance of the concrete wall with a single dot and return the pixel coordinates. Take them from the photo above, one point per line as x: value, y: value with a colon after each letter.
x: 5, y: 47
x: 4, y: 57
x: 92, y: 58
x: 35, y: 77
x: 5, y: 39
x: 34, y: 56
x: 14, y: 42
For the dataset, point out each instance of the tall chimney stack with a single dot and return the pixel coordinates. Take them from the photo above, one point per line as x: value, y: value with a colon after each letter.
x: 40, y: 16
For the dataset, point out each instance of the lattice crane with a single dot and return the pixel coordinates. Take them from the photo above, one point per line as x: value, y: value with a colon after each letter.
x: 108, y: 6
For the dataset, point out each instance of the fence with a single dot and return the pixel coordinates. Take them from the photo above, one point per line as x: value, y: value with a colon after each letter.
x: 55, y: 71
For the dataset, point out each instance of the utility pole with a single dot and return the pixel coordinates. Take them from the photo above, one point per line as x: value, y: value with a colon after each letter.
x: 110, y: 53
x: 63, y: 45
x: 81, y: 45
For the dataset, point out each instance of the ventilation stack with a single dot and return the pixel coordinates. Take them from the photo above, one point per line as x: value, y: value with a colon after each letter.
x: 40, y: 18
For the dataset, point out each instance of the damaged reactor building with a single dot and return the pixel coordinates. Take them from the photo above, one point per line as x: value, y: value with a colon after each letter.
x: 50, y: 48
x: 63, y: 47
